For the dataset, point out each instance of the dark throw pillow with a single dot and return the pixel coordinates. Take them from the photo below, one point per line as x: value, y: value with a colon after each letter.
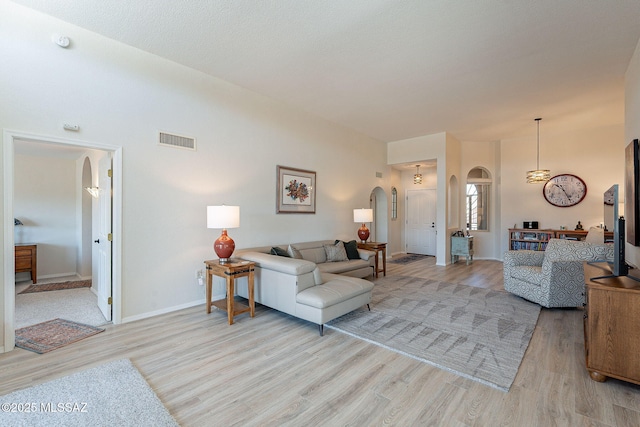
x: 352, y: 249
x: 280, y: 252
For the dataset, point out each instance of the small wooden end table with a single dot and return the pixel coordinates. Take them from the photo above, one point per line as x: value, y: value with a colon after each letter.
x: 377, y: 247
x: 230, y: 271
x: 26, y: 256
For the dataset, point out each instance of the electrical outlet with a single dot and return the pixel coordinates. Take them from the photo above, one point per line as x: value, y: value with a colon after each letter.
x: 200, y: 277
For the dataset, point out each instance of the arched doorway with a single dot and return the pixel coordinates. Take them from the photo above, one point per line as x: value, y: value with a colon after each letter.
x: 86, y: 218
x: 378, y: 201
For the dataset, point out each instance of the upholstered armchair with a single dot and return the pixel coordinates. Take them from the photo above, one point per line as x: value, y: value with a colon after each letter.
x: 554, y: 277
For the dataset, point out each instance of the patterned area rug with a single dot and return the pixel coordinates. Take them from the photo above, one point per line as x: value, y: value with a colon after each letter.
x: 57, y: 286
x: 476, y: 333
x: 408, y: 258
x: 50, y: 335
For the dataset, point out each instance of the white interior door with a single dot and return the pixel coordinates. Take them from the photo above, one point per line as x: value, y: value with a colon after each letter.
x: 421, y: 222
x: 103, y: 239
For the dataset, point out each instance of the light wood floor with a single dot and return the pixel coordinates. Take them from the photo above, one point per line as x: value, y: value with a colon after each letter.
x: 276, y: 370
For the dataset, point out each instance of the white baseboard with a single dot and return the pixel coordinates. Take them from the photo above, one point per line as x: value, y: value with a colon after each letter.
x: 53, y: 276
x: 169, y: 309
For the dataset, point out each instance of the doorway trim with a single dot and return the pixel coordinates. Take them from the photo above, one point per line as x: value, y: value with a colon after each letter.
x: 8, y: 139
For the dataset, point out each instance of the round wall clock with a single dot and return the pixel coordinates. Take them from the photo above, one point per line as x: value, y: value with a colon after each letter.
x: 564, y: 190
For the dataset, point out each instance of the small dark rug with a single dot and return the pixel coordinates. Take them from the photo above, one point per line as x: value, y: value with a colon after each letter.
x: 57, y: 286
x: 52, y: 334
x: 408, y: 258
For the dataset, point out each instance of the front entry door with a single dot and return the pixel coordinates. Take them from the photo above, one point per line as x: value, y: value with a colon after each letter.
x: 421, y: 222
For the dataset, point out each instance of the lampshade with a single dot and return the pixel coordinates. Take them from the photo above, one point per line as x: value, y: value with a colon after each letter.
x: 538, y: 176
x: 223, y: 217
x: 363, y: 215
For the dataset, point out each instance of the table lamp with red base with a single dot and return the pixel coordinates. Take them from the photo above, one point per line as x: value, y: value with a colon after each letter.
x: 362, y: 216
x: 223, y: 217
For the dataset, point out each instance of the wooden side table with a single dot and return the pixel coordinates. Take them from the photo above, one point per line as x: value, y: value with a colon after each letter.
x: 377, y: 247
x: 26, y: 258
x: 231, y: 271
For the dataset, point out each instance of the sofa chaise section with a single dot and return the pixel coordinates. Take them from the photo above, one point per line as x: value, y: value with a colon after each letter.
x: 299, y: 288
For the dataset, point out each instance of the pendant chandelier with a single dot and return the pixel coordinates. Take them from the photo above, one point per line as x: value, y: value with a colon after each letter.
x: 417, y: 177
x: 538, y: 175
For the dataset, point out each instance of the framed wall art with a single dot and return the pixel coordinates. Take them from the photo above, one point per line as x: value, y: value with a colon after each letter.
x: 296, y: 190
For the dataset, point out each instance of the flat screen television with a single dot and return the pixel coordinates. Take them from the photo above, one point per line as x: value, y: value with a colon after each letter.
x: 616, y: 223
x: 632, y: 192
x: 612, y: 221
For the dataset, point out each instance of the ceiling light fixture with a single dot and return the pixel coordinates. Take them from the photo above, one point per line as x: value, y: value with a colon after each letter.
x: 538, y: 176
x: 417, y: 178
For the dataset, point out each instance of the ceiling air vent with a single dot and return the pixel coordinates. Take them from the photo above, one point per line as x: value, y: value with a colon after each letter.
x: 179, y: 141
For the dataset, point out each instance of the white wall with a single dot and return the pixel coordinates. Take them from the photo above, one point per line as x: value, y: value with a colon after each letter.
x: 122, y: 96
x: 632, y: 126
x: 396, y: 226
x: 45, y: 201
x: 428, y: 147
x: 595, y: 155
x: 481, y: 154
x: 84, y: 213
x: 453, y: 159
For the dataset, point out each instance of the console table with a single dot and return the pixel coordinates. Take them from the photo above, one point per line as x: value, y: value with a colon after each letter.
x: 230, y: 271
x: 26, y: 258
x: 377, y: 247
x: 611, y: 333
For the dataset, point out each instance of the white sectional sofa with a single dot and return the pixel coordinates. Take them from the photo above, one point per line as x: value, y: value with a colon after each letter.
x: 305, y: 284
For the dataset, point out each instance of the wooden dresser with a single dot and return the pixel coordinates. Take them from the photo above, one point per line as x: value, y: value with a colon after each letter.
x: 26, y: 255
x: 612, y: 325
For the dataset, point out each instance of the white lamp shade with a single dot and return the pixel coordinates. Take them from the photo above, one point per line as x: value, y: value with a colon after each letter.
x: 363, y: 215
x: 223, y: 216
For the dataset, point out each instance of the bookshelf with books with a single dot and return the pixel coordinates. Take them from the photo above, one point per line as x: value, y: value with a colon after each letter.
x: 528, y: 239
x: 536, y: 240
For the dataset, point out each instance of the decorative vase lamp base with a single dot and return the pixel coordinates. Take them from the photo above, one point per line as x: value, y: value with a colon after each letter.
x: 224, y: 247
x: 363, y: 233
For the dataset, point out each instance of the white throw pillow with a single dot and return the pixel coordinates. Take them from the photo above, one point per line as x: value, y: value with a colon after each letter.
x: 336, y: 252
x: 293, y: 252
x: 595, y: 235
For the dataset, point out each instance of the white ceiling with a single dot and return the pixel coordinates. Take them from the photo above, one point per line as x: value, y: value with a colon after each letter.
x: 394, y: 69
